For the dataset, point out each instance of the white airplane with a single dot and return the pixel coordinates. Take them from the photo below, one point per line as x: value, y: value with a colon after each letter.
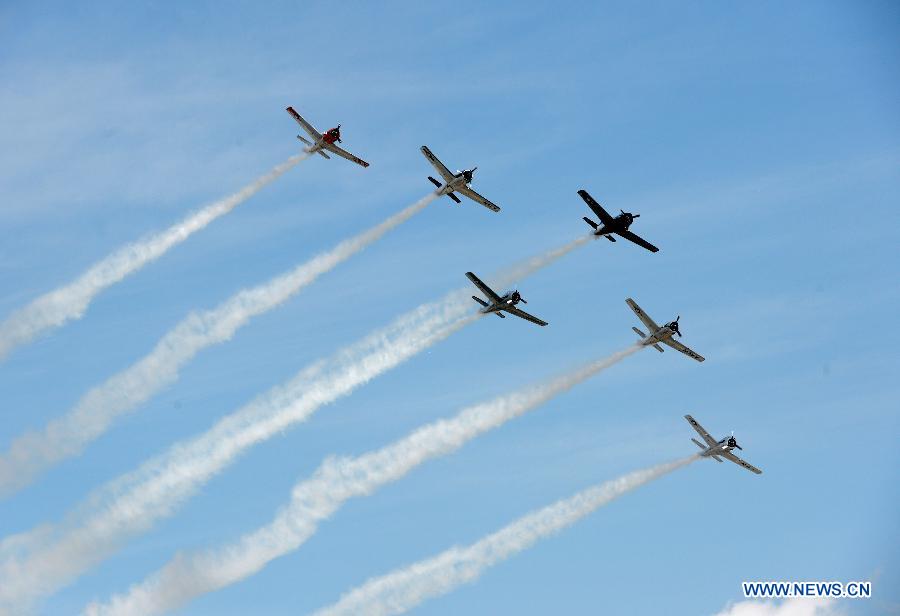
x: 659, y: 334
x: 324, y: 141
x: 498, y: 305
x: 455, y: 182
x: 719, y: 449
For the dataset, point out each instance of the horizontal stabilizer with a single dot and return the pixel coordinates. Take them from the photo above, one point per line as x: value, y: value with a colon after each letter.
x: 500, y: 314
x: 658, y: 348
x: 324, y: 155
x: 480, y: 301
x: 454, y: 197
x: 699, y: 444
x: 435, y: 182
x: 589, y: 221
x: 610, y: 238
x: 638, y: 332
x: 306, y: 141
x: 716, y: 458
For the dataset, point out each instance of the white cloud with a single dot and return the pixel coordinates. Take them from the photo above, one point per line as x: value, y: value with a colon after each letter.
x: 805, y: 606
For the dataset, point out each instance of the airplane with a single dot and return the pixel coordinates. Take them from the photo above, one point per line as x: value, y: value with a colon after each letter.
x: 719, y: 449
x: 609, y: 225
x: 322, y: 142
x: 659, y: 334
x: 455, y: 182
x: 499, y: 304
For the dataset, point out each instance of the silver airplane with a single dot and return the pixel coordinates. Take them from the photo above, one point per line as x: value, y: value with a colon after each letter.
x: 719, y: 449
x: 455, y: 182
x: 498, y: 304
x: 659, y: 334
x: 324, y: 141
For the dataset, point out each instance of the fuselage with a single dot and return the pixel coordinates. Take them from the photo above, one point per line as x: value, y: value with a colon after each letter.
x: 725, y: 445
x: 620, y: 223
x: 331, y: 136
x: 460, y: 180
x: 509, y: 299
x: 663, y: 333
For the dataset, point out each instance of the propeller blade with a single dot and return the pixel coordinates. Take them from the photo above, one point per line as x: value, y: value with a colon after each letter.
x: 635, y: 215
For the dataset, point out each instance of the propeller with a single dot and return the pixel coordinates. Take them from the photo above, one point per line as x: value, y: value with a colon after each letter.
x: 629, y: 216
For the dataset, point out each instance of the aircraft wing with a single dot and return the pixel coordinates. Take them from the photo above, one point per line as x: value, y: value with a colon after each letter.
x: 680, y: 347
x: 445, y: 173
x: 523, y: 315
x: 733, y: 458
x: 489, y: 293
x: 637, y: 239
x: 703, y: 433
x: 316, y: 135
x: 602, y: 214
x: 474, y: 196
x: 646, y: 320
x: 345, y: 154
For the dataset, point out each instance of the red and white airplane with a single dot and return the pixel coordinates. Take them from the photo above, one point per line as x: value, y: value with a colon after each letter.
x: 321, y: 142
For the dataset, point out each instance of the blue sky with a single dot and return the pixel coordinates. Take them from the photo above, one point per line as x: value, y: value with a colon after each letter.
x: 758, y: 141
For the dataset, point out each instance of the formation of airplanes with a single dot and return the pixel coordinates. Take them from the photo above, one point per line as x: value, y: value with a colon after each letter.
x: 454, y: 184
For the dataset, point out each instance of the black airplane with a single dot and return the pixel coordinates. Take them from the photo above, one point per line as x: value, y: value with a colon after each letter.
x: 618, y: 225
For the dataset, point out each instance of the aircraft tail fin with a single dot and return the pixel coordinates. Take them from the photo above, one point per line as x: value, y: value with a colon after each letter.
x: 435, y: 182
x: 480, y: 301
x: 699, y: 444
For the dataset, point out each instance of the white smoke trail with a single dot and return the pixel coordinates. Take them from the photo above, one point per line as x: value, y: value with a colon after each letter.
x: 67, y: 436
x: 39, y: 562
x: 404, y: 589
x: 70, y: 302
x: 338, y: 479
